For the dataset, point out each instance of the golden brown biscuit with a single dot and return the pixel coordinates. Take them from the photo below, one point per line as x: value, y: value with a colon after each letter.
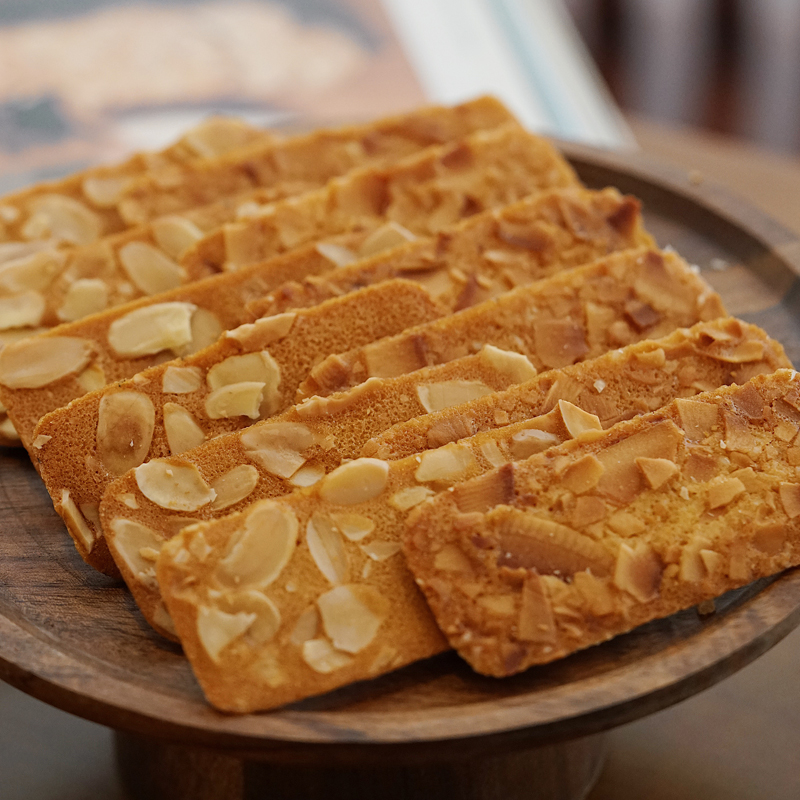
x: 592, y: 538
x: 252, y: 372
x: 488, y: 253
x: 434, y: 189
x: 569, y: 317
x: 296, y: 448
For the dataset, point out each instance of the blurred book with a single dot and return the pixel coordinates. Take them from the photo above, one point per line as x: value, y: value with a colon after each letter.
x: 88, y: 80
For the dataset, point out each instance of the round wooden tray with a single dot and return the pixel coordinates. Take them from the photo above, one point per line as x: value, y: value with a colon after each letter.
x: 73, y: 638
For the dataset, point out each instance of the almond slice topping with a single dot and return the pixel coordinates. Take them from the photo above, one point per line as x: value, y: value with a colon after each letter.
x: 33, y: 363
x: 177, y: 487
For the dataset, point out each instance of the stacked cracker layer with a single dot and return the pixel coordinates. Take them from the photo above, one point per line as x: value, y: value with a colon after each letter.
x: 330, y: 404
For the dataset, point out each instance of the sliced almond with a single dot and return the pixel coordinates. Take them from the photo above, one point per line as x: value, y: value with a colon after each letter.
x: 355, y: 482
x: 263, y: 332
x: 76, y: 522
x: 623, y: 479
x: 448, y: 463
x: 236, y: 400
x: 321, y: 657
x: 33, y: 363
x: 151, y: 329
x: 181, y: 380
x: 485, y: 492
x: 550, y: 548
x: 452, y: 559
x: 410, y: 497
x: 217, y: 629
x: 583, y: 475
x: 261, y: 548
x: 183, y: 432
x: 327, y: 548
x: 390, y: 235
x: 656, y: 471
x: 493, y: 454
x: 638, y: 571
x: 250, y: 367
x: 354, y: 527
x: 279, y: 447
x: 233, y: 486
x: 576, y: 420
x: 514, y: 365
x: 267, y: 620
x: 723, y: 491
x: 526, y: 443
x: 30, y: 271
x: 175, y: 235
x: 177, y: 487
x: 129, y: 539
x: 62, y: 218
x: 588, y: 510
x: 536, y: 623
x: 125, y: 425
x: 625, y: 524
x: 84, y: 297
x: 206, y: 329
x: 501, y: 605
x: 149, y: 269
x: 338, y: 256
x: 697, y: 419
x: 559, y: 342
x: 307, y: 475
x: 305, y: 627
x: 380, y: 550
x: 352, y: 615
x: 21, y: 310
x: 790, y: 498
x: 437, y: 396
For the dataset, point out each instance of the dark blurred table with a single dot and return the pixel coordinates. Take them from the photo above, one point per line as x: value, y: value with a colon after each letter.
x: 737, y: 741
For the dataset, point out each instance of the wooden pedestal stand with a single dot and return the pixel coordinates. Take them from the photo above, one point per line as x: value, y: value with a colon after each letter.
x: 73, y: 638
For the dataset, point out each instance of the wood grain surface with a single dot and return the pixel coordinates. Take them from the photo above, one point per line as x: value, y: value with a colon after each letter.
x: 72, y: 637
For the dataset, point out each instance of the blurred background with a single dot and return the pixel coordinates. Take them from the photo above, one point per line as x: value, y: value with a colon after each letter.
x: 86, y: 80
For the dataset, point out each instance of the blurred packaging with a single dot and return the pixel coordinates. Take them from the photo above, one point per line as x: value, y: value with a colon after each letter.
x: 88, y: 80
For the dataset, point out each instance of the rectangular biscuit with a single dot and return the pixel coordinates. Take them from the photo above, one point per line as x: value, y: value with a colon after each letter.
x: 299, y: 595
x: 336, y: 213
x: 308, y: 160
x: 296, y: 448
x: 251, y: 372
x: 614, y: 386
x: 50, y: 286
x: 569, y: 317
x: 81, y: 207
x: 489, y: 253
x: 690, y: 501
x: 435, y: 189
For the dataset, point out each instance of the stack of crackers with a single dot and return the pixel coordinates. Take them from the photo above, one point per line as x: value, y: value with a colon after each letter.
x: 333, y: 403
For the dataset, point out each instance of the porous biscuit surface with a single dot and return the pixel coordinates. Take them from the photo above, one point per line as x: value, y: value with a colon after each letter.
x: 488, y: 253
x: 611, y: 530
x: 569, y: 317
x: 296, y: 448
x: 615, y: 386
x: 425, y: 193
x: 250, y: 373
x: 359, y: 509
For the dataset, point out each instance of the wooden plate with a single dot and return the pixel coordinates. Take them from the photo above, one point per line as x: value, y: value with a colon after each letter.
x: 73, y: 638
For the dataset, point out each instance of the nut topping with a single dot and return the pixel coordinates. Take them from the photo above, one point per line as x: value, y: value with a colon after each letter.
x: 390, y: 235
x: 149, y: 269
x: 583, y: 474
x: 104, y: 192
x: 260, y: 550
x: 327, y: 548
x: 175, y: 235
x: 130, y: 540
x: 263, y: 332
x: 125, y: 425
x: 279, y: 447
x: 76, y: 522
x: 56, y: 216
x: 790, y: 498
x: 559, y: 342
x: 216, y: 629
x: 33, y: 363
x: 267, y: 620
x: 448, y: 463
x: 183, y: 432
x: 697, y: 419
x: 84, y: 297
x: 638, y: 571
x: 355, y: 482
x: 516, y: 365
x: 23, y: 310
x: 548, y: 547
x: 236, y: 400
x: 354, y: 527
x: 656, y: 471
x: 380, y: 550
x: 181, y: 380
x: 452, y: 559
x: 576, y: 420
x: 398, y: 355
x: 321, y: 657
x: 528, y: 442
x: 151, y: 329
x: 352, y: 615
x: 410, y: 497
x: 723, y: 491
x: 437, y: 396
x: 177, y: 487
x: 536, y: 623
